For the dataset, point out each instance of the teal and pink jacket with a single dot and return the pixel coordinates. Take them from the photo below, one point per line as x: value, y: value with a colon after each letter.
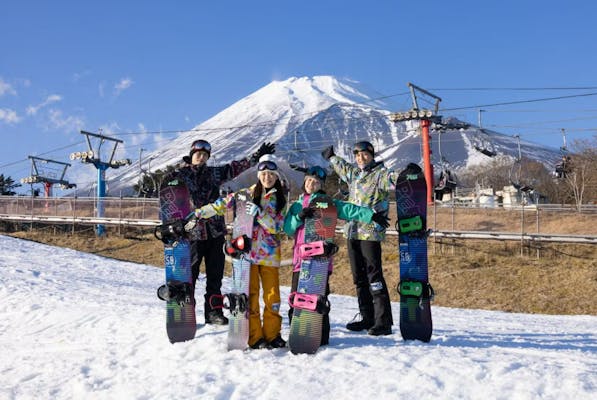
x: 294, y: 227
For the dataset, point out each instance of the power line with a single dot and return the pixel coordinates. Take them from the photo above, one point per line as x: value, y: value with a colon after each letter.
x: 518, y: 88
x: 520, y: 102
x: 280, y: 120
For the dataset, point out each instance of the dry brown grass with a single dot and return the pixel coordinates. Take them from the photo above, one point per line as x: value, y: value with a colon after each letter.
x: 466, y: 274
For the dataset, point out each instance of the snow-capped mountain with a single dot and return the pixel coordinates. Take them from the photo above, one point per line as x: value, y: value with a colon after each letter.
x: 304, y: 115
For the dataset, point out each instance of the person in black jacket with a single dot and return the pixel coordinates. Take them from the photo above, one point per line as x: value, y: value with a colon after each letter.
x: 208, y: 235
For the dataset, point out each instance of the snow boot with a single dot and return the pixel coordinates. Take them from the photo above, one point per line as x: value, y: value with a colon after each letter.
x: 365, y: 311
x: 382, y: 315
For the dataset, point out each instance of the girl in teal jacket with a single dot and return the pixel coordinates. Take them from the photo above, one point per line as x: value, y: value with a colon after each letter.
x: 294, y: 226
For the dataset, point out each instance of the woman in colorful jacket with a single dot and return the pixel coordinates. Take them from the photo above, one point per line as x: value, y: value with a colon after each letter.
x: 268, y: 209
x: 370, y: 183
x: 294, y: 226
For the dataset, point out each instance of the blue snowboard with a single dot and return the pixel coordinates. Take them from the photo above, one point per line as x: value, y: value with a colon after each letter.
x: 178, y: 292
x: 414, y: 289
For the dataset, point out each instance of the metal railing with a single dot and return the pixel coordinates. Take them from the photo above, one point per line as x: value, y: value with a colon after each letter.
x: 520, y: 223
x: 80, y: 210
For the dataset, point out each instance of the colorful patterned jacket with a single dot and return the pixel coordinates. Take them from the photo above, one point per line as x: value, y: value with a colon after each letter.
x: 267, y: 229
x: 367, y: 187
x: 204, y: 187
x: 294, y: 226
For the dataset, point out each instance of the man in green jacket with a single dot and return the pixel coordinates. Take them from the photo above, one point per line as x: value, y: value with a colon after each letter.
x: 369, y: 185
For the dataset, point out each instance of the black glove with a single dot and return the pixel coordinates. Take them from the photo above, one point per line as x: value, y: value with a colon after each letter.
x: 381, y: 219
x: 265, y: 148
x: 298, y: 168
x: 306, y: 212
x: 187, y: 160
x: 328, y: 152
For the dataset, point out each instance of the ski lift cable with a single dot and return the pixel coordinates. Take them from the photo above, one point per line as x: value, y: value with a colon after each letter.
x: 398, y: 94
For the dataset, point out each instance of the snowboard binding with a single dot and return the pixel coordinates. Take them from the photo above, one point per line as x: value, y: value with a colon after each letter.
x: 236, y: 303
x: 236, y: 247
x: 321, y: 248
x: 416, y: 289
x: 174, y: 230
x: 170, y: 232
x: 181, y: 292
x: 312, y: 302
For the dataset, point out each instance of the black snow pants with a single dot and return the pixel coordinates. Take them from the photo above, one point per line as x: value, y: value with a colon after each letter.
x: 367, y: 274
x: 211, y: 251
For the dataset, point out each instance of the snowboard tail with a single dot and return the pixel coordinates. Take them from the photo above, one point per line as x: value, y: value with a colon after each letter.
x: 310, y: 301
x: 238, y: 320
x: 415, y: 291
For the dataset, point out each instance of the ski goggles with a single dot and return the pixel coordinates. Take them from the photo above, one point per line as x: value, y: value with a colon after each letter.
x: 318, y: 172
x: 201, y: 145
x: 362, y: 146
x: 267, y: 166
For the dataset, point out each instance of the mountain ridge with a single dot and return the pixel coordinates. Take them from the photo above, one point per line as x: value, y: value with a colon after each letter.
x: 302, y: 115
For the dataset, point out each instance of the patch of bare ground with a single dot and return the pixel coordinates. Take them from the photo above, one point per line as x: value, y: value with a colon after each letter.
x: 492, y: 275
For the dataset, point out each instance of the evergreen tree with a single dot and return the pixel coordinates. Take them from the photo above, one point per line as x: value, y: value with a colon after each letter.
x: 6, y: 186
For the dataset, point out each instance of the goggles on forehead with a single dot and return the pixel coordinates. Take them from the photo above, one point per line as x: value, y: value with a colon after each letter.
x: 267, y: 165
x: 201, y: 145
x: 362, y: 146
x: 318, y: 172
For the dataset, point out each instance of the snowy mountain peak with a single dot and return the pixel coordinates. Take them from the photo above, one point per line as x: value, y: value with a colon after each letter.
x: 302, y: 115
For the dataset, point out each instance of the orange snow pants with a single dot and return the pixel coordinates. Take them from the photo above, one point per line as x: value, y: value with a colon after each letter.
x: 272, y: 320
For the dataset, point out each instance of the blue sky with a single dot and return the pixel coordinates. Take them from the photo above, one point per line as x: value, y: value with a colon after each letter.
x: 136, y: 67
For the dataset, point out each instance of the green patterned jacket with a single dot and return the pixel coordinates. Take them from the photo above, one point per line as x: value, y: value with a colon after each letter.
x: 368, y: 187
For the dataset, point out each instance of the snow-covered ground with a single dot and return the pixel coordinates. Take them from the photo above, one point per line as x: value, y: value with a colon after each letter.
x: 79, y: 326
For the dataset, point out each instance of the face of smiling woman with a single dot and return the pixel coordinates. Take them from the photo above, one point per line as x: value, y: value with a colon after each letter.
x: 267, y: 179
x: 312, y: 185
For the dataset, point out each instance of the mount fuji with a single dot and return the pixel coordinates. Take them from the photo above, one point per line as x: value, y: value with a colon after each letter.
x: 304, y: 115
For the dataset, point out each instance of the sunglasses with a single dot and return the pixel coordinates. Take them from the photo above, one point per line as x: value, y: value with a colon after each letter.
x: 267, y: 165
x: 201, y: 145
x: 318, y: 172
x: 362, y: 146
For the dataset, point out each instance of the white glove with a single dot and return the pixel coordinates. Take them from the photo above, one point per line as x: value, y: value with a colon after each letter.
x: 253, y: 209
x: 205, y: 212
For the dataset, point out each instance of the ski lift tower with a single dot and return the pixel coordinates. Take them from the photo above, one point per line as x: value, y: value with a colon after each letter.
x: 39, y: 175
x: 426, y: 117
x: 92, y: 156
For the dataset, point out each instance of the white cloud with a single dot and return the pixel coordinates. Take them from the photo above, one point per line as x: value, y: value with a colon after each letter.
x: 57, y: 120
x: 6, y: 88
x: 121, y: 86
x: 53, y: 98
x: 9, y: 116
x: 77, y: 76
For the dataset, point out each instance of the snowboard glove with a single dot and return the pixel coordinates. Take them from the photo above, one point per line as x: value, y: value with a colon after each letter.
x: 306, y: 212
x: 253, y: 209
x: 328, y: 152
x: 205, y: 212
x: 381, y: 219
x: 298, y: 168
x: 265, y: 148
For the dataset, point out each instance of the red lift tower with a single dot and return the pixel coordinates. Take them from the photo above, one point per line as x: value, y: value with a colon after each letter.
x: 425, y: 118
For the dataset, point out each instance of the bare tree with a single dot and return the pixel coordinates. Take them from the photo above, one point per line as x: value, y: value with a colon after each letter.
x: 493, y: 174
x: 581, y: 177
